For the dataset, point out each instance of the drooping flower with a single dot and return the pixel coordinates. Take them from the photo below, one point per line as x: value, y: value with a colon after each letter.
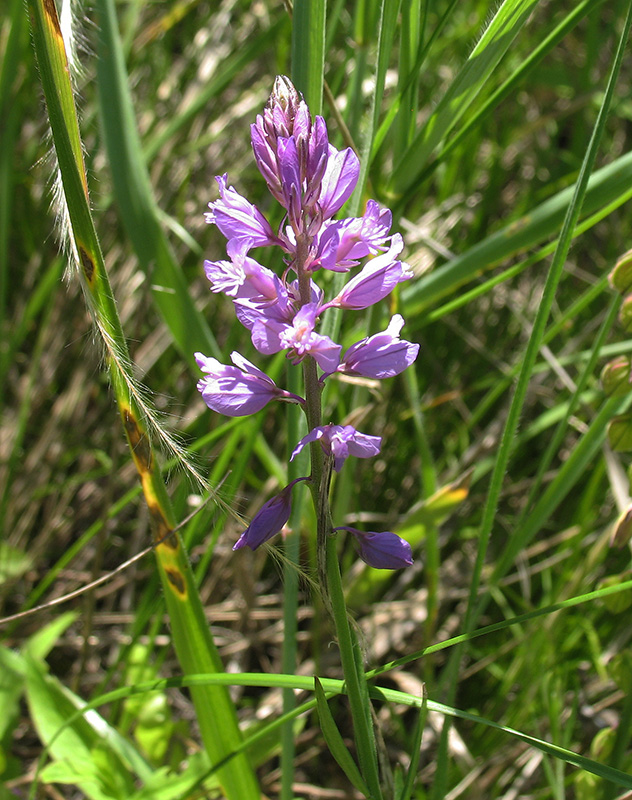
x: 239, y: 219
x: 382, y: 550
x: 240, y: 390
x: 382, y: 355
x: 269, y: 520
x: 375, y: 281
x: 341, y: 441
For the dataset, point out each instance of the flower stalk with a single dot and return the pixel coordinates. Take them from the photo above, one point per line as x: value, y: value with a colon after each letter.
x: 312, y: 180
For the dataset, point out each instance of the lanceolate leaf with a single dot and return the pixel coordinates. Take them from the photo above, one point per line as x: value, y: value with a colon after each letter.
x: 335, y: 741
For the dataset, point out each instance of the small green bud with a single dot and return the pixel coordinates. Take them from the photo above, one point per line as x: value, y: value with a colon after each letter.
x: 621, y: 276
x: 615, y: 377
x: 620, y: 433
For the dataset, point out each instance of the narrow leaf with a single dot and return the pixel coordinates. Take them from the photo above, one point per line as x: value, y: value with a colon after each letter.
x: 335, y: 742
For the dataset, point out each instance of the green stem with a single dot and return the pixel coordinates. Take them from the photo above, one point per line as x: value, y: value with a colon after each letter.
x: 351, y: 658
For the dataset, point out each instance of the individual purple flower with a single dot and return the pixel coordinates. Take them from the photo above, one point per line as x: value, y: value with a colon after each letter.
x: 238, y: 219
x: 341, y: 441
x: 383, y: 550
x: 342, y: 243
x: 242, y: 276
x: 270, y: 336
x: 382, y: 355
x: 240, y: 390
x: 375, y: 281
x: 339, y: 180
x: 269, y: 520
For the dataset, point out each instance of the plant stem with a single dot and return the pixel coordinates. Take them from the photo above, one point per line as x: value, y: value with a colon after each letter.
x: 355, y: 681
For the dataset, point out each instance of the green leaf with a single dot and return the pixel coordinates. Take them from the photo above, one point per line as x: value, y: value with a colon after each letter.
x: 335, y: 742
x: 13, y: 562
x: 39, y: 645
x: 53, y: 709
x: 415, y: 750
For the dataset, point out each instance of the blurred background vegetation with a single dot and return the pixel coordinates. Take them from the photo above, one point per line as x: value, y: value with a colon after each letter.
x: 70, y: 506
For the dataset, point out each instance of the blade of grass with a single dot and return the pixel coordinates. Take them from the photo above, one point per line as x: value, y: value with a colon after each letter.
x: 335, y: 742
x: 192, y: 638
x: 332, y: 687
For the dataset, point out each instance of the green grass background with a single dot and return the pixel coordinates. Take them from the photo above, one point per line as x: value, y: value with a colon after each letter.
x: 495, y: 463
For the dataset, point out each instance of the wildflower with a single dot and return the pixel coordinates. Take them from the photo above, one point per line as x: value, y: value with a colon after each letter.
x: 240, y: 390
x: 375, y: 281
x: 299, y: 337
x: 242, y: 276
x: 383, y: 550
x: 382, y: 355
x: 311, y: 180
x: 342, y: 243
x: 237, y: 218
x: 341, y: 441
x: 269, y: 520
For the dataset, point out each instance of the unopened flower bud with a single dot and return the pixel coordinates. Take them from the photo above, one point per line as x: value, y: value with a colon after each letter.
x: 615, y: 377
x: 621, y: 276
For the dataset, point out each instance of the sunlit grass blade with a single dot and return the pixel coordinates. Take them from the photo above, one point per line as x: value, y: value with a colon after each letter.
x: 331, y: 687
x: 191, y: 635
x: 511, y: 84
x: 134, y: 195
x: 491, y: 47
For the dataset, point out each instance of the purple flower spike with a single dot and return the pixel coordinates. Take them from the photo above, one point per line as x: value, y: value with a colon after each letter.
x: 240, y: 390
x: 341, y: 441
x: 382, y: 355
x: 383, y: 550
x: 377, y: 280
x: 269, y: 520
x: 238, y: 219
